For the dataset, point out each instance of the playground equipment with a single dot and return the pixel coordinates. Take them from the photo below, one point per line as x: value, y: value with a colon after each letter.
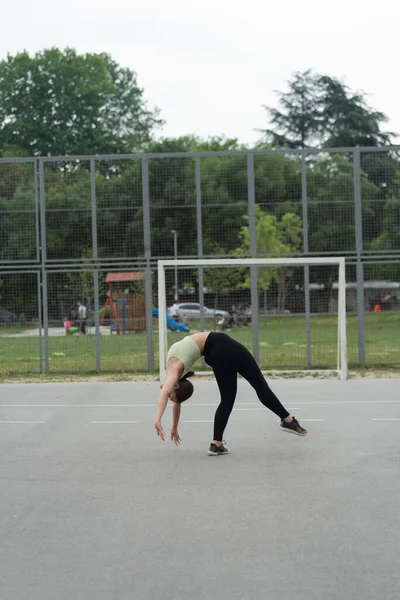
x: 109, y: 309
x: 172, y: 325
x: 115, y: 326
x: 125, y: 308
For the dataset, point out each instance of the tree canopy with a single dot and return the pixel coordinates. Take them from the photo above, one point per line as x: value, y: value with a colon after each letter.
x: 60, y: 102
x: 318, y: 110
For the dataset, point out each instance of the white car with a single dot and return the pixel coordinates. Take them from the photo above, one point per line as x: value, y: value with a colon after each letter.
x: 191, y: 310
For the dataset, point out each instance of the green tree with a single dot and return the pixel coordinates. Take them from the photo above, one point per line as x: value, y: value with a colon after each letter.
x: 18, y: 222
x: 322, y: 111
x: 222, y: 281
x: 19, y: 294
x: 68, y: 213
x: 330, y: 190
x: 346, y: 118
x: 297, y: 123
x: 80, y: 285
x: 119, y: 209
x: 291, y: 232
x: 382, y: 169
x: 191, y: 143
x: 273, y: 238
x: 277, y: 181
x: 59, y: 102
x: 331, y: 213
x: 389, y: 239
x: 224, y: 200
x: 172, y: 187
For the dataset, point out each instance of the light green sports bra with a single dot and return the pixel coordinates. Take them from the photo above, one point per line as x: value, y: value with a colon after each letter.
x: 187, y: 351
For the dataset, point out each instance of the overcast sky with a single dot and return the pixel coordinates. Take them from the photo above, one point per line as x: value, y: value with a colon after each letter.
x: 210, y: 65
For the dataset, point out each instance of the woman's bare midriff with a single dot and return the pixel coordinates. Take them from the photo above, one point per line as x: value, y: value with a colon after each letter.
x: 200, y: 339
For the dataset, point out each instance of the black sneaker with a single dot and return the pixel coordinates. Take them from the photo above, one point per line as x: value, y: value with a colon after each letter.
x: 215, y: 450
x: 293, y: 427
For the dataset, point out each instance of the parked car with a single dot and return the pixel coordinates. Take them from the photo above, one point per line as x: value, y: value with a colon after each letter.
x: 276, y: 311
x: 8, y: 317
x: 191, y: 310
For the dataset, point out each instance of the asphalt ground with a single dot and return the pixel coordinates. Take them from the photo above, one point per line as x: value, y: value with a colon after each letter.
x: 95, y: 507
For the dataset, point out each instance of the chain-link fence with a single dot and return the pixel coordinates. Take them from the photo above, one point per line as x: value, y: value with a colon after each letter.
x: 80, y: 238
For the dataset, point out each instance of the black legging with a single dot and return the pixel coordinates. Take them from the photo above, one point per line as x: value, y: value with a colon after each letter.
x: 227, y: 357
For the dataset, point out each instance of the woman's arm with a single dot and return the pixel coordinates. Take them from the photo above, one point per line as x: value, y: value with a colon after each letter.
x: 163, y: 401
x: 162, y: 405
x: 176, y: 413
x: 170, y: 384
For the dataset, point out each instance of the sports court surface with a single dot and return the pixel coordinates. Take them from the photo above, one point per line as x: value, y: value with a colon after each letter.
x: 95, y: 507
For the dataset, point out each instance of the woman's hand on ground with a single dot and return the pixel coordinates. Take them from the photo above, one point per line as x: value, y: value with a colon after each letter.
x: 175, y: 436
x: 159, y: 430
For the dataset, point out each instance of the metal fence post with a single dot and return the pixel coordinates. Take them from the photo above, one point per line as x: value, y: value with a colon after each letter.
x: 359, y: 250
x: 95, y: 257
x: 43, y: 263
x: 39, y: 282
x: 39, y: 293
x: 37, y: 226
x: 253, y: 251
x: 199, y: 228
x: 305, y: 252
x: 147, y: 255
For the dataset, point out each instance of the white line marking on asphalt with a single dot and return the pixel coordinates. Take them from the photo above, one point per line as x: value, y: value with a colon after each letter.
x: 79, y: 405
x: 264, y: 407
x: 108, y: 422
x: 105, y: 405
x: 318, y: 402
x: 349, y: 402
x: 21, y: 422
x: 197, y: 421
x: 308, y: 420
x: 387, y: 419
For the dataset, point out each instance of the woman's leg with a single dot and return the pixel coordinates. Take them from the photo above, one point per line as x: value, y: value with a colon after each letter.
x: 264, y: 392
x: 227, y: 384
x: 250, y: 370
x: 228, y: 357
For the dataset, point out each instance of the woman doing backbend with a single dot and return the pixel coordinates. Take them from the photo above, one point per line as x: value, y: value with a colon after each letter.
x: 227, y: 358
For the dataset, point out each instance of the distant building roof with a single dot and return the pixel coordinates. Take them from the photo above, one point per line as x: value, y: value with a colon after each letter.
x: 124, y: 276
x: 372, y: 285
x: 368, y: 285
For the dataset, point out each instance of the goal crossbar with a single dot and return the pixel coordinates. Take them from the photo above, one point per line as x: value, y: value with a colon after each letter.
x: 254, y: 262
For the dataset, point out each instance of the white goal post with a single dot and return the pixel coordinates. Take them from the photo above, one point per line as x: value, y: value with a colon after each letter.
x: 254, y: 262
